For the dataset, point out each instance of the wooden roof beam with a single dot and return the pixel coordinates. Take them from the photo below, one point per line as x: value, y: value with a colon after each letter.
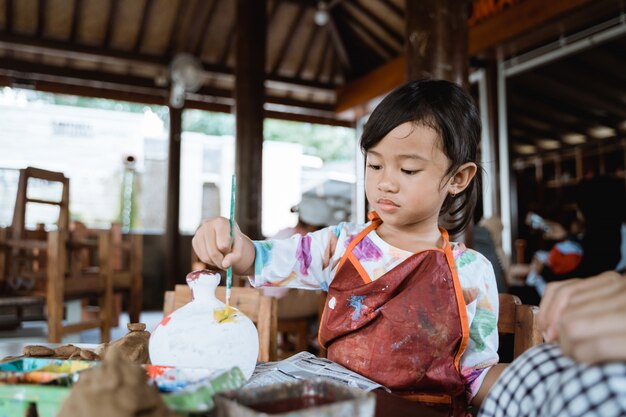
x: 41, y: 17
x: 79, y: 52
x: 295, y: 24
x: 145, y: 17
x: 194, y: 33
x: 91, y: 54
x: 508, y: 24
x: 338, y: 44
x: 127, y: 83
x: 383, y: 44
x: 207, y: 22
x: 576, y: 96
x: 538, y: 110
x: 307, y: 48
x: 395, y: 9
x: 171, y: 44
x: 110, y: 23
x: 380, y: 22
x: 323, y: 59
x: 162, y: 100
x: 8, y: 15
x: 76, y: 16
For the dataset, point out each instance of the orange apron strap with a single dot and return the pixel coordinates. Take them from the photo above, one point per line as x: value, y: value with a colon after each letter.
x: 460, y: 301
x: 348, y: 254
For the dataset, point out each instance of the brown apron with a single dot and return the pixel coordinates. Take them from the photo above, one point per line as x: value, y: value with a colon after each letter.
x: 406, y: 330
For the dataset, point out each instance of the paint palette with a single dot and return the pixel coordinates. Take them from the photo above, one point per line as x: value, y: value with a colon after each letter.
x: 170, y: 379
x: 48, y: 382
x: 42, y: 371
x: 191, y: 390
x: 45, y: 382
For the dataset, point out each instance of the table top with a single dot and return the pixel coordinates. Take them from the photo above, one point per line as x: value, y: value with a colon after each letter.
x: 386, y: 404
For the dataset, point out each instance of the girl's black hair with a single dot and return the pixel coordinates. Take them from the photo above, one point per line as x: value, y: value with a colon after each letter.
x: 451, y: 112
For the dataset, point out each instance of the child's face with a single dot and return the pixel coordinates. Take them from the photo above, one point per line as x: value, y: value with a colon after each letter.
x: 404, y: 177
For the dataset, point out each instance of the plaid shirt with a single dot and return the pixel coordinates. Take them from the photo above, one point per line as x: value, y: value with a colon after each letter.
x: 544, y: 383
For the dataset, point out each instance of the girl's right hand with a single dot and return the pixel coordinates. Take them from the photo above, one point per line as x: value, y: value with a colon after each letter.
x: 211, y: 243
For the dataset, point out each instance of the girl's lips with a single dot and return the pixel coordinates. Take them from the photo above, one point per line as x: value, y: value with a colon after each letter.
x: 387, y: 205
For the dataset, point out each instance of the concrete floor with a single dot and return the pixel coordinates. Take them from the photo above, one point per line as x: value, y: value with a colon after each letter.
x: 36, y: 331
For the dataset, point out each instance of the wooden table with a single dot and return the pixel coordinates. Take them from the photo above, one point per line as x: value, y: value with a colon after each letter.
x: 386, y: 404
x: 392, y: 405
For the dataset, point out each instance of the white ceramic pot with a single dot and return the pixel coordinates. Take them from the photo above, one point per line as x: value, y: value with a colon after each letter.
x: 191, y: 337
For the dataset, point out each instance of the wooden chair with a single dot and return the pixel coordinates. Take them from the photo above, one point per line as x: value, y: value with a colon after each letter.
x: 124, y: 256
x: 126, y: 267
x: 520, y: 320
x: 259, y: 308
x: 37, y: 263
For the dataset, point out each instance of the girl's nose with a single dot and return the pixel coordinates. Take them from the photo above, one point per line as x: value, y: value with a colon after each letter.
x: 387, y: 184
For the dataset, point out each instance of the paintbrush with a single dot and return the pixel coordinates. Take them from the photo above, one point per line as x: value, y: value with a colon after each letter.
x: 229, y: 270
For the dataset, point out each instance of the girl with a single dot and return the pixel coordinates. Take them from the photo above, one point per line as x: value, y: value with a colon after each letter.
x: 405, y: 306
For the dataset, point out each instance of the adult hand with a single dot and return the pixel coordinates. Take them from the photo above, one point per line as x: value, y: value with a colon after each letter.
x: 586, y: 317
x: 211, y: 243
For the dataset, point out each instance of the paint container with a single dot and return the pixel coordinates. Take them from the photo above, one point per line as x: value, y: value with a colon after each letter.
x: 305, y: 398
x: 42, y: 371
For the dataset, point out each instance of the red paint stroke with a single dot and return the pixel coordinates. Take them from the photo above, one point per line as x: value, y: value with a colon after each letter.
x: 155, y: 371
x: 165, y: 320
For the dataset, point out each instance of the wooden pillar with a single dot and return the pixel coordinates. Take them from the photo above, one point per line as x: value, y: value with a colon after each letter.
x: 249, y: 99
x: 491, y: 79
x: 437, y: 40
x: 173, y: 199
x: 437, y: 35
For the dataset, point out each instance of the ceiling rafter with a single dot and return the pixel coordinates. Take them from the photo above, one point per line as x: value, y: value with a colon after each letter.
x: 538, y: 110
x: 334, y: 69
x: 383, y: 44
x: 295, y: 24
x: 8, y: 13
x: 306, y: 50
x: 338, y: 43
x: 195, y: 31
x: 592, y: 85
x: 125, y: 82
x: 610, y: 64
x: 399, y: 38
x: 207, y: 22
x: 147, y: 12
x: 394, y: 8
x: 324, y: 56
x: 577, y: 96
x: 541, y: 130
x: 228, y: 45
x: 116, y: 57
x: 76, y: 16
x: 171, y: 44
x: 531, y: 92
x: 161, y: 99
x: 110, y: 23
x: 41, y: 17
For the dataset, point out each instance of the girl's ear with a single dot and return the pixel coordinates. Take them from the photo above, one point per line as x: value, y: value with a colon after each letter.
x: 462, y: 178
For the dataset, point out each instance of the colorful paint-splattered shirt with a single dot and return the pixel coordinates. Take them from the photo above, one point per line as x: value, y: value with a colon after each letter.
x: 310, y: 262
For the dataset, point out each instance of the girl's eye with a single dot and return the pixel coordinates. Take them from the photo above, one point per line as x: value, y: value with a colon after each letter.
x: 409, y: 171
x: 374, y: 167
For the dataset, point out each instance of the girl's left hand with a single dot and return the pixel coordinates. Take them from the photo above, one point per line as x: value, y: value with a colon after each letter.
x: 586, y: 317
